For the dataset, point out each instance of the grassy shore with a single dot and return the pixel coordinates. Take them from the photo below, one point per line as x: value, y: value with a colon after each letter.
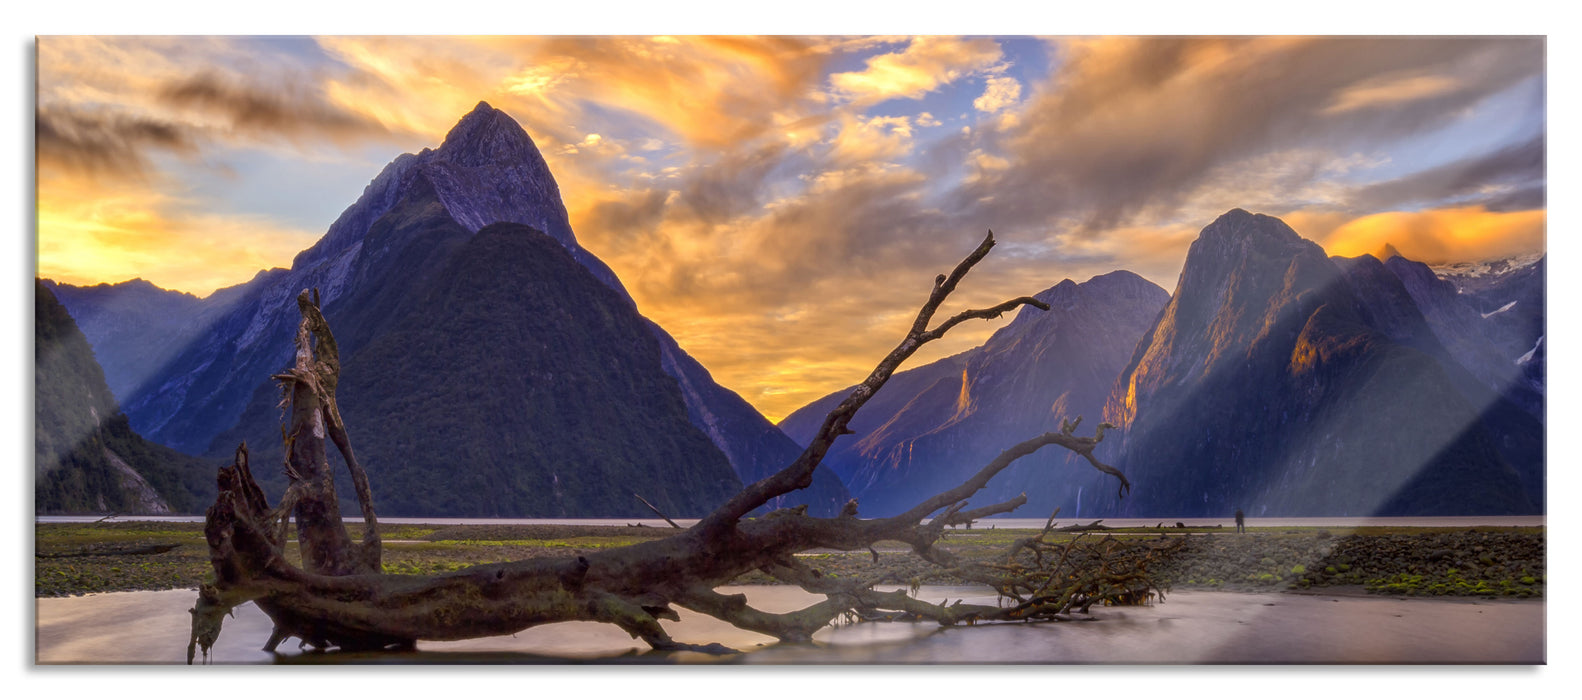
x: 77, y: 558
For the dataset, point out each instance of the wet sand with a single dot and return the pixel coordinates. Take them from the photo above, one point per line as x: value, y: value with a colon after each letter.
x: 1189, y: 627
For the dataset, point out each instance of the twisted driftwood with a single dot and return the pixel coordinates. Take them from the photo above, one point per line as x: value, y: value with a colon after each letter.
x: 337, y: 597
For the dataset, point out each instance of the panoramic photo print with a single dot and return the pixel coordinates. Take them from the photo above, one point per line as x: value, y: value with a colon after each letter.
x: 790, y: 350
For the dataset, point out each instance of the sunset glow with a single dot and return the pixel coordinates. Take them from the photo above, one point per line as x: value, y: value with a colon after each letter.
x: 781, y: 205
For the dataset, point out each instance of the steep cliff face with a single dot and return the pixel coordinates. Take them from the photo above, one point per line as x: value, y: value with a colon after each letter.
x: 419, y: 211
x: 1268, y: 384
x: 489, y: 374
x: 754, y: 446
x: 516, y: 384
x: 487, y: 170
x: 136, y: 325
x: 1488, y: 324
x: 86, y: 456
x: 941, y: 379
x: 1509, y: 408
x: 933, y: 426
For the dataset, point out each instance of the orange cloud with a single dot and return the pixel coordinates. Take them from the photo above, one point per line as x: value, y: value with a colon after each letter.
x: 755, y: 211
x: 1130, y: 125
x: 840, y: 268
x: 999, y: 93
x: 871, y: 140
x: 1391, y: 90
x: 413, y: 85
x: 711, y: 91
x: 926, y: 64
x: 90, y: 231
x: 1434, y: 236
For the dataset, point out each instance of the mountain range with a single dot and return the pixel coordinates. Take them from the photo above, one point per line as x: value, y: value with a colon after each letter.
x: 86, y: 456
x: 1283, y: 382
x: 386, y: 261
x: 1274, y: 379
x: 933, y: 426
x: 494, y: 367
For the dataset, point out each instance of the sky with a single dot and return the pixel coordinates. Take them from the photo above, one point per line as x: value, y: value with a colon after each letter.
x: 782, y: 204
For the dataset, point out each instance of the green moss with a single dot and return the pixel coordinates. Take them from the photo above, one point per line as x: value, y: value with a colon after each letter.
x: 571, y: 542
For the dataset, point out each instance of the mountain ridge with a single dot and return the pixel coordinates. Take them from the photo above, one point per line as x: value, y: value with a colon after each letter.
x: 486, y: 171
x: 1265, y: 385
x: 933, y: 425
x: 86, y: 456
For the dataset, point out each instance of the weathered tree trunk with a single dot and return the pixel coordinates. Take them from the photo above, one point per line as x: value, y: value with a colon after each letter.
x: 338, y: 597
x: 308, y: 389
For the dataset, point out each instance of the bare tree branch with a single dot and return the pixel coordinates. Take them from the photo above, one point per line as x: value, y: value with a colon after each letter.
x: 338, y: 598
x: 799, y: 474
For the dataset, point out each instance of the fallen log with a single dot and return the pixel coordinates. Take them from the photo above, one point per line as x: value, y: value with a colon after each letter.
x: 338, y: 598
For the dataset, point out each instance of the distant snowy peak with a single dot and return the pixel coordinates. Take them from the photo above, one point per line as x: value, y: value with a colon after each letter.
x: 1469, y: 274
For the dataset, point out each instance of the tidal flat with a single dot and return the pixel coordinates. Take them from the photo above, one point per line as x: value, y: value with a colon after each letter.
x: 1189, y: 627
x: 1483, y: 562
x: 1278, y: 595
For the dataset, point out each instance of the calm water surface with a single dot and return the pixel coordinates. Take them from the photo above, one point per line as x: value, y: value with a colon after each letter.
x: 1190, y: 627
x: 1344, y: 522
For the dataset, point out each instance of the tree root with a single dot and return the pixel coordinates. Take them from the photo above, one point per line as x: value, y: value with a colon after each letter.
x: 339, y: 599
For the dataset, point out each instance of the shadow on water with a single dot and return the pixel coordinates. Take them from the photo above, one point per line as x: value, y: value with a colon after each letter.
x: 482, y: 658
x: 1191, y: 627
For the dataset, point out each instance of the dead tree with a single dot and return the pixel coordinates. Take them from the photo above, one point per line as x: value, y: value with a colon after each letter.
x: 339, y: 598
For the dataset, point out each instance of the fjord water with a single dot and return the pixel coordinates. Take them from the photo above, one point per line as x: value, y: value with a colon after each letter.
x: 1189, y: 627
x: 1002, y: 523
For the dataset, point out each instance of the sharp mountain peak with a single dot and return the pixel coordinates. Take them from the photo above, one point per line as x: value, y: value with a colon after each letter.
x: 487, y: 136
x: 1386, y: 252
x: 1242, y: 226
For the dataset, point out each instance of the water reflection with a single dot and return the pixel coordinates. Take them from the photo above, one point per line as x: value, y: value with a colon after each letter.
x: 1190, y: 627
x: 1012, y: 523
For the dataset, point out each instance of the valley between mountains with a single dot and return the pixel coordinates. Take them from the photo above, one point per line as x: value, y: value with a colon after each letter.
x: 495, y: 368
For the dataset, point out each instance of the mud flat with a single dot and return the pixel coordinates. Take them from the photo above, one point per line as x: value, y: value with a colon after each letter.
x: 1479, y: 561
x: 1189, y: 627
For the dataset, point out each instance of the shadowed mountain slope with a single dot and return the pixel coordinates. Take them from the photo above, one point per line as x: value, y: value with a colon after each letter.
x: 1269, y: 384
x: 87, y: 459
x: 933, y: 426
x: 371, y: 267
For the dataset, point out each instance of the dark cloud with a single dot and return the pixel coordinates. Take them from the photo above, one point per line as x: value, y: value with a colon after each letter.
x: 1519, y: 165
x: 277, y: 111
x: 1131, y: 124
x: 108, y: 142
x: 114, y: 144
x: 865, y: 229
x: 1525, y: 199
x: 633, y: 221
x: 733, y: 185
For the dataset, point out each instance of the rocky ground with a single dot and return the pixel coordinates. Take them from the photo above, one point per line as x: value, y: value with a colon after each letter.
x: 76, y: 558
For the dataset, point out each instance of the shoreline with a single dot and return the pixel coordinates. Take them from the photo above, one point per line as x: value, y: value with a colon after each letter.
x: 1476, y: 562
x: 1191, y: 627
